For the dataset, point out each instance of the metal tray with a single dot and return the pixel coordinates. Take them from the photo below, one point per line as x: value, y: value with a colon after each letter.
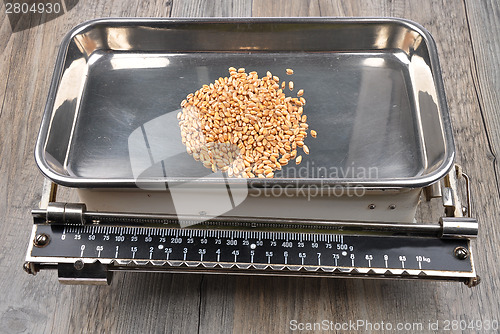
x: 373, y: 89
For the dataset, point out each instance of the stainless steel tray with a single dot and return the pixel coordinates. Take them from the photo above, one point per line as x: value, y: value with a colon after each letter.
x: 373, y: 89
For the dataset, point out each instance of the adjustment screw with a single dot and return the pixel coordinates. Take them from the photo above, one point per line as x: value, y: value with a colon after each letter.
x: 372, y: 206
x: 392, y: 207
x: 41, y: 240
x: 461, y: 253
x: 473, y: 281
x: 79, y: 264
x: 464, y: 210
x: 27, y: 268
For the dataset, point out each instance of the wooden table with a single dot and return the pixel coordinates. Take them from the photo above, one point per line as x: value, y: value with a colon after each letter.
x: 466, y: 33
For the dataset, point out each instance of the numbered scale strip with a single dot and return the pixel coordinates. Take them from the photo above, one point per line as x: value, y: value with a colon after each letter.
x: 264, y: 251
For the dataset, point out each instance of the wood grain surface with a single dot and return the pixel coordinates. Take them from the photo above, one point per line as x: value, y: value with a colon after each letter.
x: 466, y: 33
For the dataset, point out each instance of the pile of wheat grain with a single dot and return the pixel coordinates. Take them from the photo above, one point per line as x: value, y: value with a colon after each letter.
x: 245, y: 125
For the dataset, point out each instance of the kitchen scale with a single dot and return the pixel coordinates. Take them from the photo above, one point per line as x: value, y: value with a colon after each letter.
x: 110, y: 132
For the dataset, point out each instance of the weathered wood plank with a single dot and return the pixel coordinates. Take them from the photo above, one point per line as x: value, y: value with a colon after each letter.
x: 218, y: 8
x: 483, y: 20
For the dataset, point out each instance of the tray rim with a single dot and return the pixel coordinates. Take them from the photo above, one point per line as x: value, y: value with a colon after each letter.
x: 395, y: 183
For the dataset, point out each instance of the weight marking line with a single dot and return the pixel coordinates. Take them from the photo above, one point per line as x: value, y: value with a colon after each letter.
x: 386, y: 264
x: 116, y: 253
x: 419, y: 265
